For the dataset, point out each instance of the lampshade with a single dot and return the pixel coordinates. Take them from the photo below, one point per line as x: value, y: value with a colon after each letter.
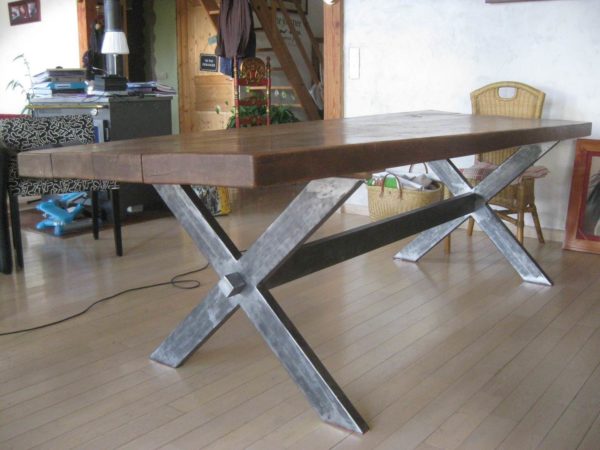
x: 115, y: 42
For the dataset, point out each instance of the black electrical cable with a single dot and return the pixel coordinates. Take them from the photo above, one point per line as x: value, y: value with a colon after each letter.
x: 175, y: 282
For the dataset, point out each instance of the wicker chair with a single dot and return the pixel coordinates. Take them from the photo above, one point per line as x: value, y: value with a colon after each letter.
x: 524, y: 102
x: 28, y: 133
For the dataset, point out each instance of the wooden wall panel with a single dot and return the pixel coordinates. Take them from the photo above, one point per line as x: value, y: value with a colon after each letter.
x: 200, y: 92
x: 333, y: 76
x: 195, y: 31
x: 209, y: 120
x: 86, y: 14
x: 184, y: 75
x: 212, y: 91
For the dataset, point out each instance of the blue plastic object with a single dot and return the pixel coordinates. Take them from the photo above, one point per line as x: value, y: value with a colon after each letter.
x: 65, y: 200
x: 57, y: 217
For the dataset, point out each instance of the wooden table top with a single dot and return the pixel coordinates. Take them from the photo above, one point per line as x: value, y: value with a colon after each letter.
x: 263, y: 156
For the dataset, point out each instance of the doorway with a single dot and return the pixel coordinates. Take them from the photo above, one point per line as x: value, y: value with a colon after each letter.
x: 191, y: 22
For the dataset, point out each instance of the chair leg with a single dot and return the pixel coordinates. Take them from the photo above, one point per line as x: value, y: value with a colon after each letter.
x: 521, y: 206
x: 5, y: 249
x: 116, y: 208
x: 538, y: 226
x: 448, y: 239
x: 521, y: 226
x: 448, y: 243
x: 16, y: 229
x: 95, y: 225
x: 470, y: 226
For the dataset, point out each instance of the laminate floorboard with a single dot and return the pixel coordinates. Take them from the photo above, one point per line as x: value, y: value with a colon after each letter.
x: 452, y: 353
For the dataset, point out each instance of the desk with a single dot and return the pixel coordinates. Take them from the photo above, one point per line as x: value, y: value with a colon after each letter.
x: 320, y: 152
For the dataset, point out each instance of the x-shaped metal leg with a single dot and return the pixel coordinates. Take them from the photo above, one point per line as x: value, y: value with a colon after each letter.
x: 488, y: 221
x: 241, y: 285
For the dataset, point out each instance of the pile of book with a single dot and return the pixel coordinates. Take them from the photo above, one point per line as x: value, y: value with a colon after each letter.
x: 59, y: 82
x: 150, y: 87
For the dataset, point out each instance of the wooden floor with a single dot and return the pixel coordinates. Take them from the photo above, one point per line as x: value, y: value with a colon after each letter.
x: 452, y: 353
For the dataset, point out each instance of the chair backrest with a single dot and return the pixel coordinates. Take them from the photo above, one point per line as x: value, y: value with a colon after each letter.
x: 509, y: 99
x: 254, y: 76
x: 27, y: 133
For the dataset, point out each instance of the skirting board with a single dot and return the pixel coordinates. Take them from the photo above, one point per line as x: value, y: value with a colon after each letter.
x: 549, y: 234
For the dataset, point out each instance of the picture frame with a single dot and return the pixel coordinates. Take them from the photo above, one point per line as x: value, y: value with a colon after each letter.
x: 511, y: 1
x: 24, y: 11
x: 583, y: 217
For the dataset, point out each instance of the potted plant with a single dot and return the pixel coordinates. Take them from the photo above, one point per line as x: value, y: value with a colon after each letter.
x: 279, y: 114
x: 17, y: 85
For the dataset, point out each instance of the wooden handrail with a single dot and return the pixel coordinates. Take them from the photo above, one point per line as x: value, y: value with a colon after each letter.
x: 299, y: 44
x: 308, y: 28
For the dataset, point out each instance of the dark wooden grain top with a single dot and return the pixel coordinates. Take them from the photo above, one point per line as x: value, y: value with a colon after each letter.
x: 263, y: 156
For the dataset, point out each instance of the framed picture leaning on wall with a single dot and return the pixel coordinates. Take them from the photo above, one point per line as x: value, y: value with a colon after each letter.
x: 583, y: 217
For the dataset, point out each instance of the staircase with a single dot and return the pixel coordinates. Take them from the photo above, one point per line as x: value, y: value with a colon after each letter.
x: 266, y: 12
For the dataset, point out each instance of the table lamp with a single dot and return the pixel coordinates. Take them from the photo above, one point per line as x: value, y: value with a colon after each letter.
x: 114, y: 43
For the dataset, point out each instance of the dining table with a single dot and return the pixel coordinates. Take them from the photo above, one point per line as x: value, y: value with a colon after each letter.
x: 324, y: 155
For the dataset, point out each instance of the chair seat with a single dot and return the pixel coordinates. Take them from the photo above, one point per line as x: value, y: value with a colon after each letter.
x: 482, y: 169
x: 28, y: 187
x: 519, y: 194
x: 513, y: 195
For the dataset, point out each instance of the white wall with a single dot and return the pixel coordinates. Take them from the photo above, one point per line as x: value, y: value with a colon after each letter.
x: 429, y: 54
x: 49, y: 43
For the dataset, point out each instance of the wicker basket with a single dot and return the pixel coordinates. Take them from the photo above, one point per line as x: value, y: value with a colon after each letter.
x: 386, y: 202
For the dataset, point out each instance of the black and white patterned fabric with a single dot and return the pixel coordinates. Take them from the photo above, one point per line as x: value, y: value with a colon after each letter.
x: 32, y: 133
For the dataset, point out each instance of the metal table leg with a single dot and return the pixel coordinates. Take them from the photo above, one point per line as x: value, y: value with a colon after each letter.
x: 242, y: 286
x: 280, y: 255
x: 512, y: 250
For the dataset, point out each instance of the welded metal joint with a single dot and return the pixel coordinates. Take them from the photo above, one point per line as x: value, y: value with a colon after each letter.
x: 232, y: 284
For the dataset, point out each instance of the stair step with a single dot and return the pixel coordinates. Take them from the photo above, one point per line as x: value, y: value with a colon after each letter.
x: 279, y: 88
x: 275, y: 46
x: 289, y: 105
x: 270, y: 7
